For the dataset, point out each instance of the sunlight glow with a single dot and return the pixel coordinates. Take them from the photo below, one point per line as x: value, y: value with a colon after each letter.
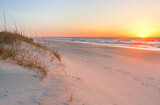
x: 142, y: 35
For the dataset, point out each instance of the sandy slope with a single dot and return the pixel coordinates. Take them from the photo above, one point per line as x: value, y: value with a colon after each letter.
x: 23, y: 86
x: 19, y: 86
x: 111, y: 76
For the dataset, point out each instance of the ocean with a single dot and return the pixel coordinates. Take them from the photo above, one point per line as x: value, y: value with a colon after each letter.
x: 138, y: 43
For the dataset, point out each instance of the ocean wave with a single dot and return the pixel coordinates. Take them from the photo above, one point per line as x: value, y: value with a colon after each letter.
x: 139, y: 43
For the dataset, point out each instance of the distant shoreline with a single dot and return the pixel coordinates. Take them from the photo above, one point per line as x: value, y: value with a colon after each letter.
x: 112, y: 45
x: 104, y: 45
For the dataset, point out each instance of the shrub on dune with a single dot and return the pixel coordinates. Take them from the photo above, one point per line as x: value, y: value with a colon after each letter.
x: 25, y: 52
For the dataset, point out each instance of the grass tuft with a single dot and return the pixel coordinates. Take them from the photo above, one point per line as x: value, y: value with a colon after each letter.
x: 57, y: 55
x: 9, y: 38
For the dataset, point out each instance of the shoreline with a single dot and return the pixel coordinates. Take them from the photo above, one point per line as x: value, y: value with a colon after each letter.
x: 148, y: 49
x: 111, y: 75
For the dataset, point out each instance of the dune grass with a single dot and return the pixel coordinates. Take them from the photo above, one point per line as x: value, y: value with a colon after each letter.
x: 11, y: 43
x: 10, y: 38
x: 10, y: 50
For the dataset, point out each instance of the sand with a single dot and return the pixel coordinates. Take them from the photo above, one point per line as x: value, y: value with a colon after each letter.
x: 24, y: 86
x: 95, y: 75
x: 106, y: 75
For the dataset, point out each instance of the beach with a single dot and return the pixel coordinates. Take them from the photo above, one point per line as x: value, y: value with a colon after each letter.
x: 80, y: 52
x: 111, y: 75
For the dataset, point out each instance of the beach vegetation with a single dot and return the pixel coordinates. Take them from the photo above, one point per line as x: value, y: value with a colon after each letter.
x: 16, y: 47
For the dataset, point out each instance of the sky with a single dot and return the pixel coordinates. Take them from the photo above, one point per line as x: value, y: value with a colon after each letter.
x: 83, y: 18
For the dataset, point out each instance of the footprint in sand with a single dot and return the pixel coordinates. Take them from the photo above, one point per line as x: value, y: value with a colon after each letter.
x: 4, y: 94
x: 159, y: 90
x: 144, y: 84
x: 108, y: 68
x: 151, y: 78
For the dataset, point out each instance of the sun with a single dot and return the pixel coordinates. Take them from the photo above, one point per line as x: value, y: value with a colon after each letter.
x: 142, y: 35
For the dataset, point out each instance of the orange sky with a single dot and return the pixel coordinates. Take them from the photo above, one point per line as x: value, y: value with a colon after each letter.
x: 86, y: 18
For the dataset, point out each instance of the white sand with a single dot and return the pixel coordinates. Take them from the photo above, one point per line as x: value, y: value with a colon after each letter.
x: 22, y: 86
x: 96, y: 75
x: 111, y: 76
x: 19, y: 86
